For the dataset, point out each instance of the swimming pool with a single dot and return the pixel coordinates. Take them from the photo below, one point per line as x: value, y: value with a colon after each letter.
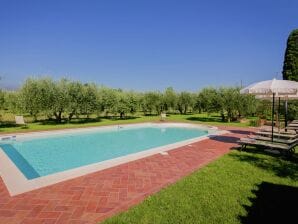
x: 47, y: 154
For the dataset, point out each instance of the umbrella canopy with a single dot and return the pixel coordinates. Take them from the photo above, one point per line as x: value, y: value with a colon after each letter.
x: 283, y: 97
x: 280, y: 88
x: 272, y: 88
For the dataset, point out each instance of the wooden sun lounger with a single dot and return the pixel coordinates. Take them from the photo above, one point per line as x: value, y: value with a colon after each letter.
x: 288, y: 132
x: 282, y: 148
x: 277, y: 140
x: 294, y: 122
x: 293, y: 125
x: 277, y: 135
x: 293, y: 128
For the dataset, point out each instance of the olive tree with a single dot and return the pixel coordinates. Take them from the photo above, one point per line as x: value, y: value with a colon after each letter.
x: 227, y: 98
x: 184, y: 102
x: 76, y: 98
x: 207, y: 100
x: 108, y: 99
x: 2, y: 99
x: 170, y: 99
x: 152, y: 101
x: 31, y: 98
x: 12, y: 101
x: 133, y: 101
x: 88, y: 104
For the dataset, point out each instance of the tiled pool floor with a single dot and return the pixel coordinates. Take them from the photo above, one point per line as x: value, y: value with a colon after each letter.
x: 94, y: 197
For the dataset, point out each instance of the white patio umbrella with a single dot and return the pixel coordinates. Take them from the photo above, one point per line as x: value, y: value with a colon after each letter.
x: 272, y: 88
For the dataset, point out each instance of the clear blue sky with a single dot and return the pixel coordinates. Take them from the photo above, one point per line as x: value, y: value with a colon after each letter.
x: 145, y: 44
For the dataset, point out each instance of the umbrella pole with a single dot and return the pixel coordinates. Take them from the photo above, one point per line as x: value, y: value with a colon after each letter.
x: 272, y: 120
x: 286, y: 114
x: 278, y: 118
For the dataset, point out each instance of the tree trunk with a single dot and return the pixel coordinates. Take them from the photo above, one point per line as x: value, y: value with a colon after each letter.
x: 58, y: 116
x: 70, y: 116
x: 121, y: 115
x: 229, y: 116
x: 185, y: 109
x: 222, y: 116
x: 180, y: 109
x: 200, y: 110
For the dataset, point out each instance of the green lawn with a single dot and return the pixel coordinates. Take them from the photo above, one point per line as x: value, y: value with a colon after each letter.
x: 229, y: 190
x: 213, y: 119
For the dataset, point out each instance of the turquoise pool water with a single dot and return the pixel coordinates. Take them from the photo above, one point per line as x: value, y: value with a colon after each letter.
x: 47, y: 155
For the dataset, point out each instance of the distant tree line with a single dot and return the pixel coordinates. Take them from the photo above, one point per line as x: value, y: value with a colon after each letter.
x: 65, y: 99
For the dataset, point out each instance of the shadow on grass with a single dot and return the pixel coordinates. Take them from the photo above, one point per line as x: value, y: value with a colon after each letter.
x: 281, y: 166
x: 8, y: 125
x: 86, y: 120
x: 117, y: 118
x: 205, y: 119
x: 11, y: 125
x: 273, y: 203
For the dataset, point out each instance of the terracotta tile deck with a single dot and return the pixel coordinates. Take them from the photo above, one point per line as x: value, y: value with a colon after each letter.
x: 94, y: 197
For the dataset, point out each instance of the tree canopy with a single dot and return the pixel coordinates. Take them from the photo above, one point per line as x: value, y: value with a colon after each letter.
x: 290, y: 67
x: 63, y: 99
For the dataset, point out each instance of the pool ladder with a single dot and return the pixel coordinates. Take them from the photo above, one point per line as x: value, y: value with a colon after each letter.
x: 13, y: 137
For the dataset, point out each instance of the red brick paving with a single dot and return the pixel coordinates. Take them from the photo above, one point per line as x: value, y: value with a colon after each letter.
x: 94, y: 197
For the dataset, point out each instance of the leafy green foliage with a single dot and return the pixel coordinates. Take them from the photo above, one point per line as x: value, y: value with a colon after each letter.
x: 2, y: 99
x: 152, y: 102
x: 207, y: 100
x: 184, y: 102
x: 290, y: 68
x: 31, y: 97
x: 76, y: 99
x: 89, y: 96
x: 61, y: 100
x: 108, y: 99
x: 12, y: 101
x: 170, y: 99
x: 227, y: 101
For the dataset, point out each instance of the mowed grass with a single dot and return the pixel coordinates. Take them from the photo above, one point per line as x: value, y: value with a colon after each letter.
x: 213, y: 119
x: 229, y: 190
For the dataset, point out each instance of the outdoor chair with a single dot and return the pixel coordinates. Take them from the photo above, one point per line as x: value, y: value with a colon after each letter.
x: 163, y: 116
x: 20, y: 121
x: 283, y: 148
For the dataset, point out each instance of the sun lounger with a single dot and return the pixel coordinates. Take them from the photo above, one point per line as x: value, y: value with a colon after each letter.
x: 293, y: 128
x: 294, y: 122
x: 277, y: 135
x: 277, y: 130
x: 282, y: 131
x: 293, y: 125
x: 277, y: 140
x: 282, y: 148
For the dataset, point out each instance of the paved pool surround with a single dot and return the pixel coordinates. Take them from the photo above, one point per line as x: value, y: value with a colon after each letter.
x: 92, y: 198
x: 17, y: 183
